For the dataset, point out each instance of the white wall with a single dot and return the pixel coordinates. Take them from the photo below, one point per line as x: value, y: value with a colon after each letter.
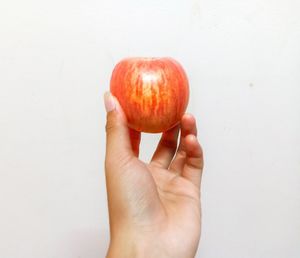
x: 243, y: 61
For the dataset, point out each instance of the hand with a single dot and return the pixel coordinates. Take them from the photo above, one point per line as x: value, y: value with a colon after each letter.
x: 154, y: 209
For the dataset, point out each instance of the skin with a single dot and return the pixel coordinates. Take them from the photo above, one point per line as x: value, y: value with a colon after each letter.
x: 154, y: 208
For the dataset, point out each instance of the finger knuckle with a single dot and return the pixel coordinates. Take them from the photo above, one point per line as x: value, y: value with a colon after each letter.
x: 110, y: 124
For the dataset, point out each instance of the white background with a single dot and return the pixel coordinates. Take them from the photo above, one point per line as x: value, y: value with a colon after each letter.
x: 243, y: 61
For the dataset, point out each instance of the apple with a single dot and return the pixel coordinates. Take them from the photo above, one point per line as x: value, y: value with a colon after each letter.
x: 153, y: 92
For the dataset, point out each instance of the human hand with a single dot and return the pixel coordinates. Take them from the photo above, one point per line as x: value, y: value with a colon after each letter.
x: 154, y: 208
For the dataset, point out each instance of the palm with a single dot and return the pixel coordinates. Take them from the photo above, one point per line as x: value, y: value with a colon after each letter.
x: 169, y: 191
x: 172, y: 187
x: 179, y: 197
x: 168, y: 188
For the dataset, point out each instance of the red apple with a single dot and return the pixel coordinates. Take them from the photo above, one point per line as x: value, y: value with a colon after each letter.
x: 153, y: 92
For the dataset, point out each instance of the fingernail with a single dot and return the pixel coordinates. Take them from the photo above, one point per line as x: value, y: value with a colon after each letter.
x: 109, y: 102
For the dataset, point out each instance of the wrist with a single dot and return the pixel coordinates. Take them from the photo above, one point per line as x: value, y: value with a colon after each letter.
x: 117, y: 252
x: 133, y: 248
x: 124, y: 249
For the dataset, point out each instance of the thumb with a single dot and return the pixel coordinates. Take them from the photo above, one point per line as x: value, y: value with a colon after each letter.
x: 118, y: 145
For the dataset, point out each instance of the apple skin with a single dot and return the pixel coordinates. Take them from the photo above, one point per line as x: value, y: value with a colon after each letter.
x: 153, y: 92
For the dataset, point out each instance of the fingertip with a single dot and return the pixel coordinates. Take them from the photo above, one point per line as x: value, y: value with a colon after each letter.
x: 118, y: 138
x: 109, y: 102
x: 113, y: 106
x: 188, y: 125
x: 118, y: 106
x: 188, y: 117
